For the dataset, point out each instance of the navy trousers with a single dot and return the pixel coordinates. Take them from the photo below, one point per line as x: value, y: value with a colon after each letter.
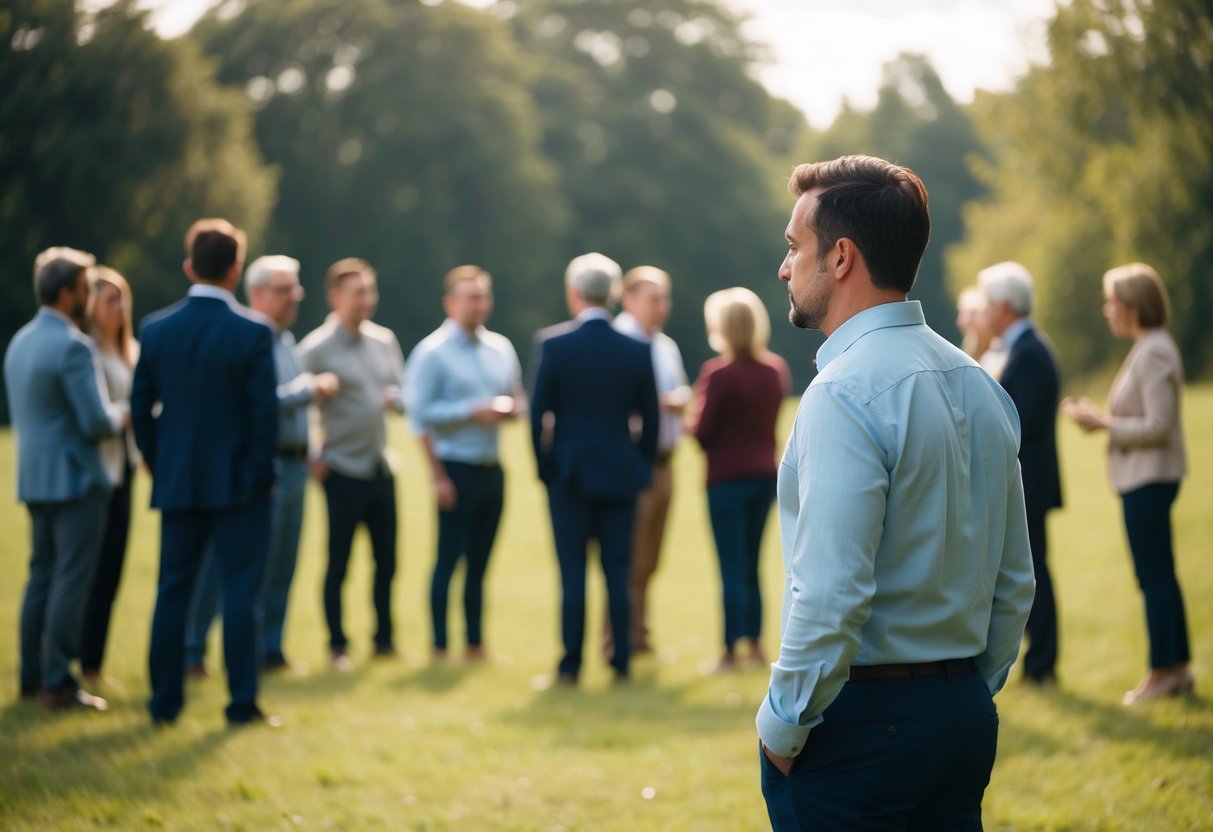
x: 1147, y: 513
x: 107, y: 576
x: 575, y: 521
x: 1040, y: 659
x: 738, y: 510
x: 906, y: 754
x: 239, y: 537
x: 466, y: 532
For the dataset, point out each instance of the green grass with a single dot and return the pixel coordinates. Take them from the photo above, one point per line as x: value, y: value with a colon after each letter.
x: 404, y: 745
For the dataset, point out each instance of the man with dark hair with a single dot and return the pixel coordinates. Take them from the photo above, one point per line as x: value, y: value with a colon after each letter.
x: 589, y: 383
x: 909, y: 577
x: 205, y: 412
x: 463, y: 382
x: 352, y: 461
x: 60, y: 410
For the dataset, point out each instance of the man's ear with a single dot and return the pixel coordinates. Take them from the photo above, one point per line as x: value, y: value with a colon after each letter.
x: 843, y: 258
x: 188, y: 268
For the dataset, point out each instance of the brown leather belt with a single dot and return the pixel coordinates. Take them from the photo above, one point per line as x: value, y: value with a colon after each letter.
x: 882, y: 672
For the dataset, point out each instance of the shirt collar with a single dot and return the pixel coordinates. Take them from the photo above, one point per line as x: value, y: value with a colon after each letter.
x: 341, y: 332
x: 1013, y: 333
x: 206, y: 290
x: 593, y: 313
x: 626, y: 323
x: 50, y: 310
x: 455, y: 331
x: 898, y: 313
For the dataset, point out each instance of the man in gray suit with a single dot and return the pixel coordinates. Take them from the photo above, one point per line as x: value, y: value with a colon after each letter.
x: 60, y: 410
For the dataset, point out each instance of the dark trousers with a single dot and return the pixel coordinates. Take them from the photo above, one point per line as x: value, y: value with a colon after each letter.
x: 350, y: 502
x: 238, y: 538
x: 738, y: 511
x: 1040, y: 659
x: 106, y: 577
x: 906, y: 754
x: 466, y: 532
x: 65, y: 540
x: 575, y: 521
x: 1147, y: 513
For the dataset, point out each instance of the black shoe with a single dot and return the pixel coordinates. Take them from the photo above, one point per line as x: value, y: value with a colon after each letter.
x: 30, y: 692
x: 69, y: 699
x: 257, y: 717
x: 566, y: 680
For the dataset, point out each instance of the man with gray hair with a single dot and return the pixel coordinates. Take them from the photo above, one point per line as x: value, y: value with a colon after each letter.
x: 1032, y: 380
x: 60, y: 410
x: 590, y: 381
x: 272, y: 285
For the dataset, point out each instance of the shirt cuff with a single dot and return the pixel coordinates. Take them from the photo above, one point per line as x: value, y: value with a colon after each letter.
x: 782, y: 738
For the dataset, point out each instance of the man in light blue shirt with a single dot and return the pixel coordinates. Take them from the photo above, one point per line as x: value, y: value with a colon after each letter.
x: 462, y: 383
x: 909, y: 576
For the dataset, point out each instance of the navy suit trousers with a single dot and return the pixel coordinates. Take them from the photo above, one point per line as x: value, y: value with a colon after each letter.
x: 906, y: 754
x: 575, y: 521
x: 239, y: 537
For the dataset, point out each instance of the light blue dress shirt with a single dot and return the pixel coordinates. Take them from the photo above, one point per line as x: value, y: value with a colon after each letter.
x: 295, y: 389
x: 450, y: 374
x: 902, y: 517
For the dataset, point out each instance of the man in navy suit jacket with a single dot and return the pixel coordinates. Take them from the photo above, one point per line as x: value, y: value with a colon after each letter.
x: 1031, y: 378
x: 60, y: 410
x: 591, y: 380
x: 208, y: 363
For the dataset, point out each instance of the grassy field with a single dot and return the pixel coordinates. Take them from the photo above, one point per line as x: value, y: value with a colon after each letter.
x: 407, y: 745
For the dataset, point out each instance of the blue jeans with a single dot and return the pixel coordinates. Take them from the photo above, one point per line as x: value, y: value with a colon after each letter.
x: 1147, y: 513
x: 738, y: 511
x: 286, y: 523
x: 466, y: 532
x: 911, y: 755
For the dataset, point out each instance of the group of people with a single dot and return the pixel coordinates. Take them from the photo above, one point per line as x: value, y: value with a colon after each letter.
x: 1146, y: 455
x: 912, y: 492
x: 230, y: 417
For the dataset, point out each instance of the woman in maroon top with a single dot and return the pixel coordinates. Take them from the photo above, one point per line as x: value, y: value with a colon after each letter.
x: 738, y: 396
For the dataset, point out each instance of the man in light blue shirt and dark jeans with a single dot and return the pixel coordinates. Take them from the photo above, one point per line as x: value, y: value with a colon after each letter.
x: 909, y: 576
x: 463, y: 382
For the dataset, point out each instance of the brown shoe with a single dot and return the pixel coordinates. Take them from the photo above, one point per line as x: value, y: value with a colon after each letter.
x: 197, y: 672
x: 67, y: 699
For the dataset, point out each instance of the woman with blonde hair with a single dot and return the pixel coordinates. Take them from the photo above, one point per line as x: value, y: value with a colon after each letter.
x: 1146, y: 461
x: 109, y: 324
x: 738, y: 396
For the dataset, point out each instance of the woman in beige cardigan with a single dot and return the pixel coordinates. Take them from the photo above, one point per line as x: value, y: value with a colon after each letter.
x: 1146, y: 461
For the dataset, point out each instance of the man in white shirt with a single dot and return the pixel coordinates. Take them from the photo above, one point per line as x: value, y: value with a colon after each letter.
x: 646, y: 304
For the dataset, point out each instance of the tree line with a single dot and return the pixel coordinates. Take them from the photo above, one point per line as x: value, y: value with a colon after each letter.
x: 420, y: 136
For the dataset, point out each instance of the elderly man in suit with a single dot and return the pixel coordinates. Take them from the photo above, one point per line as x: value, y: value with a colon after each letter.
x: 589, y: 383
x: 60, y: 410
x: 1031, y: 378
x: 208, y: 364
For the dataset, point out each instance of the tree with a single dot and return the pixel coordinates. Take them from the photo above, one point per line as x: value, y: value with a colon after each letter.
x: 113, y: 141
x: 669, y: 152
x: 917, y: 123
x: 1103, y: 156
x: 404, y: 134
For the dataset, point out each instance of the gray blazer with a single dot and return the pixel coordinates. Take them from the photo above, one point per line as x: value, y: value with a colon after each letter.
x: 1145, y: 437
x: 60, y: 410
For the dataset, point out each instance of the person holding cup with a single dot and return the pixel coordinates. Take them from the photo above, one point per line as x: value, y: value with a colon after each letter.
x: 463, y: 381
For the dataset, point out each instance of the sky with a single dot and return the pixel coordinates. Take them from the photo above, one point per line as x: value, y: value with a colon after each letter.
x: 830, y: 51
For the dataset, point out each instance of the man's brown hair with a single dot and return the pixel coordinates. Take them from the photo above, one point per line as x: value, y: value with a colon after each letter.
x: 879, y: 206
x: 346, y: 267
x: 213, y: 246
x: 461, y: 273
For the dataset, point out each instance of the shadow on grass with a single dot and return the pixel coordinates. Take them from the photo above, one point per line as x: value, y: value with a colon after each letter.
x: 153, y: 760
x: 1171, y: 736
x: 630, y: 714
